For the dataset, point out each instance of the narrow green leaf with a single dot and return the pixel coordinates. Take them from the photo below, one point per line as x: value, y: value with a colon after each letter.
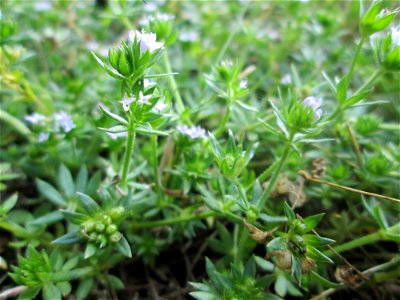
x: 82, y: 179
x: 9, y: 203
x: 88, y: 203
x: 50, y: 193
x: 74, y: 217
x: 312, y: 221
x: 289, y: 213
x: 123, y: 247
x: 47, y: 219
x: 84, y: 289
x: 317, y: 241
x: 341, y: 90
x: 324, y: 282
x: 317, y: 255
x: 30, y: 293
x: 65, y: 181
x: 90, y: 250
x: 51, y: 292
x: 68, y: 239
x: 113, y: 116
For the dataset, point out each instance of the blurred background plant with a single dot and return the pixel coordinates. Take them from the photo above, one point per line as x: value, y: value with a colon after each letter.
x: 253, y: 119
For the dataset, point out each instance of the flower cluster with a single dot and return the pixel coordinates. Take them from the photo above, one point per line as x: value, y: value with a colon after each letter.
x: 61, y: 122
x: 147, y: 41
x: 315, y: 104
x: 142, y: 99
x: 194, y: 132
x: 102, y: 229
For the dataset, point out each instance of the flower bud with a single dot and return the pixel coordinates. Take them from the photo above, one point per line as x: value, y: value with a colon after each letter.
x: 100, y: 227
x: 93, y: 236
x: 115, y: 237
x: 88, y: 226
x: 375, y: 19
x: 116, y: 212
x: 111, y: 229
x: 113, y: 57
x: 102, y: 240
x: 124, y: 66
x: 106, y: 220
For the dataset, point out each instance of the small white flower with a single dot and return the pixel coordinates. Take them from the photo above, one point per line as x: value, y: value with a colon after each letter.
x: 95, y: 46
x: 35, y: 118
x: 148, y: 83
x: 43, y: 5
x: 396, y: 36
x: 286, y: 79
x: 147, y: 41
x: 194, y: 132
x: 117, y: 135
x: 64, y: 121
x: 188, y: 36
x: 43, y: 136
x: 315, y: 104
x: 126, y: 102
x: 143, y: 99
x: 160, y: 106
x: 243, y: 84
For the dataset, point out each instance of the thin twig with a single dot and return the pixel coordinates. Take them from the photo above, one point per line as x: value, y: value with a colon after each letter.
x: 355, y: 144
x: 310, y: 178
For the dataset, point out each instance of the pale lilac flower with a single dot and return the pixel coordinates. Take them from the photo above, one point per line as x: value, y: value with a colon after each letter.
x: 96, y: 47
x: 143, y: 99
x: 43, y: 136
x: 395, y: 36
x: 315, y: 104
x: 194, y: 132
x: 188, y: 36
x: 148, y: 83
x: 126, y: 102
x: 147, y: 41
x: 35, y: 118
x: 64, y: 121
x: 286, y: 79
x: 43, y: 5
x: 273, y: 34
x: 243, y: 84
x: 117, y: 135
x: 160, y: 106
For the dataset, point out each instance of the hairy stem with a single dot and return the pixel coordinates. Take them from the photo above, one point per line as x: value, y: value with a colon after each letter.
x: 128, y: 153
x: 359, y: 47
x: 274, y: 178
x: 221, y: 127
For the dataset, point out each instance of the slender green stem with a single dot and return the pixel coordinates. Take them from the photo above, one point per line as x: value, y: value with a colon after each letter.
x: 172, y: 221
x: 242, y: 192
x: 172, y: 83
x: 274, y: 178
x: 221, y: 127
x: 128, y: 153
x: 155, y: 165
x: 370, y: 80
x: 359, y: 47
x: 364, y: 240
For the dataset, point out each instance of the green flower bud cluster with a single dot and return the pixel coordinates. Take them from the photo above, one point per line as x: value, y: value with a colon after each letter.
x: 233, y: 160
x: 135, y: 55
x: 102, y: 230
x: 375, y: 19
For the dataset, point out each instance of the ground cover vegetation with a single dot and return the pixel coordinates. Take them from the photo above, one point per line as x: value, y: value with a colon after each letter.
x: 199, y: 150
